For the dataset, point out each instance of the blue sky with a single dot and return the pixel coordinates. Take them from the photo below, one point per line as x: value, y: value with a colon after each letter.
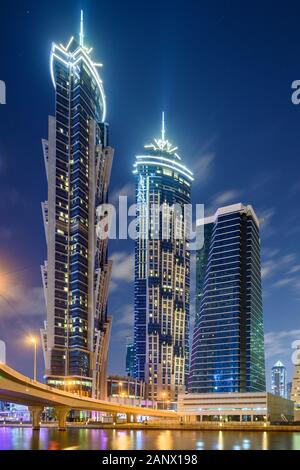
x: 222, y: 72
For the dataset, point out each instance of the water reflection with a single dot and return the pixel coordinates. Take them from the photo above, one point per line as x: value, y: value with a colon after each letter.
x: 221, y: 441
x: 117, y: 439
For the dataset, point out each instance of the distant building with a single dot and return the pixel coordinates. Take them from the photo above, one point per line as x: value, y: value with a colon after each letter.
x: 279, y: 380
x: 130, y: 356
x: 228, y: 342
x: 2, y: 352
x: 125, y: 390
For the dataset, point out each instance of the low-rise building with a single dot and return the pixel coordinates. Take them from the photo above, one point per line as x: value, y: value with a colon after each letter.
x: 243, y: 407
x: 126, y: 390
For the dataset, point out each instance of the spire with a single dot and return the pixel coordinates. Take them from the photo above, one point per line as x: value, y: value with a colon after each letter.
x: 163, y: 131
x: 278, y: 364
x: 81, y: 34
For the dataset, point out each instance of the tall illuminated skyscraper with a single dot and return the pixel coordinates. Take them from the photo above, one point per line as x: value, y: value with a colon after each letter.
x: 76, y: 275
x: 162, y: 270
x: 228, y: 341
x: 279, y: 380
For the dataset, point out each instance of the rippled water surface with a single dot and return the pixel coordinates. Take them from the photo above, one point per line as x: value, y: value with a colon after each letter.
x: 114, y: 439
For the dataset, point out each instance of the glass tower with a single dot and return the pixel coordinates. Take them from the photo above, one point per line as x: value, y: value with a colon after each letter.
x: 130, y: 356
x: 162, y: 270
x: 228, y: 340
x: 279, y: 380
x: 76, y: 274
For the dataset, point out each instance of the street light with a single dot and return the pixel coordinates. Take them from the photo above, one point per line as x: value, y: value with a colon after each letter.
x: 120, y: 388
x: 33, y: 341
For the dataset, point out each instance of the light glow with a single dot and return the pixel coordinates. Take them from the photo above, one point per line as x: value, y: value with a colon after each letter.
x: 165, y: 165
x: 81, y: 34
x: 174, y: 163
x: 71, y: 60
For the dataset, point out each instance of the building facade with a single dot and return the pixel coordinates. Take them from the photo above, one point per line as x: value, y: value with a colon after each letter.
x: 228, y: 341
x: 162, y: 270
x: 126, y: 390
x: 295, y: 392
x: 232, y: 407
x: 130, y: 356
x: 76, y: 275
x: 279, y: 382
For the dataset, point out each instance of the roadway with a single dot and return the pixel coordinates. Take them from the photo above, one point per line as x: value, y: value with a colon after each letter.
x: 17, y: 388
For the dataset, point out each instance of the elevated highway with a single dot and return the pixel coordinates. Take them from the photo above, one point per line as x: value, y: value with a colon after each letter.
x: 17, y: 388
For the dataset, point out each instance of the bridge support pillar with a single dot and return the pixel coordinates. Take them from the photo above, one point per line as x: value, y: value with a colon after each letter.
x: 36, y: 413
x: 132, y: 418
x: 62, y: 413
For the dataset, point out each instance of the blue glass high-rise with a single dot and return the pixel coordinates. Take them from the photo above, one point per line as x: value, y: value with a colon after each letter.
x: 228, y: 342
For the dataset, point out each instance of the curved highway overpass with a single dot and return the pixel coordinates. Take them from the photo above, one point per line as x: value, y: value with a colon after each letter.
x: 17, y: 388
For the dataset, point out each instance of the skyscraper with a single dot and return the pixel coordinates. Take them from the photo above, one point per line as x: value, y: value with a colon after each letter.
x: 130, y: 356
x: 228, y: 341
x: 162, y: 270
x: 76, y: 275
x: 279, y: 380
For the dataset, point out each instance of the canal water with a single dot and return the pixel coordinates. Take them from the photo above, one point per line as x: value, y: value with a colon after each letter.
x: 19, y: 438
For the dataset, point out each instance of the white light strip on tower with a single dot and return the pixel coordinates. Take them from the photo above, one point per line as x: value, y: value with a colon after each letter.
x: 81, y: 35
x: 69, y: 43
x: 165, y: 165
x: 173, y: 162
x: 71, y: 61
x: 163, y: 130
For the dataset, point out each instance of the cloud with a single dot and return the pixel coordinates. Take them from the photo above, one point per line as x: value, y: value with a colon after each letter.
x: 123, y: 266
x: 268, y: 268
x: 265, y: 216
x: 294, y: 269
x: 5, y: 233
x: 202, y: 167
x: 123, y: 321
x: 226, y: 197
x: 126, y: 190
x: 284, y: 282
x: 292, y: 282
x: 262, y: 180
x: 10, y: 197
x: 271, y: 267
x: 295, y: 188
x: 280, y: 343
x: 231, y: 196
x: 2, y: 164
x: 270, y: 252
x: 19, y: 301
x: 125, y: 315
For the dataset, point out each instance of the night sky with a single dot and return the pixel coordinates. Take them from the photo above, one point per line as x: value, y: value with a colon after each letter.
x: 222, y: 72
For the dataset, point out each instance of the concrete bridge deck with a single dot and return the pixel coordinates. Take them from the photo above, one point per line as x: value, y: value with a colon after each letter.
x: 17, y: 388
